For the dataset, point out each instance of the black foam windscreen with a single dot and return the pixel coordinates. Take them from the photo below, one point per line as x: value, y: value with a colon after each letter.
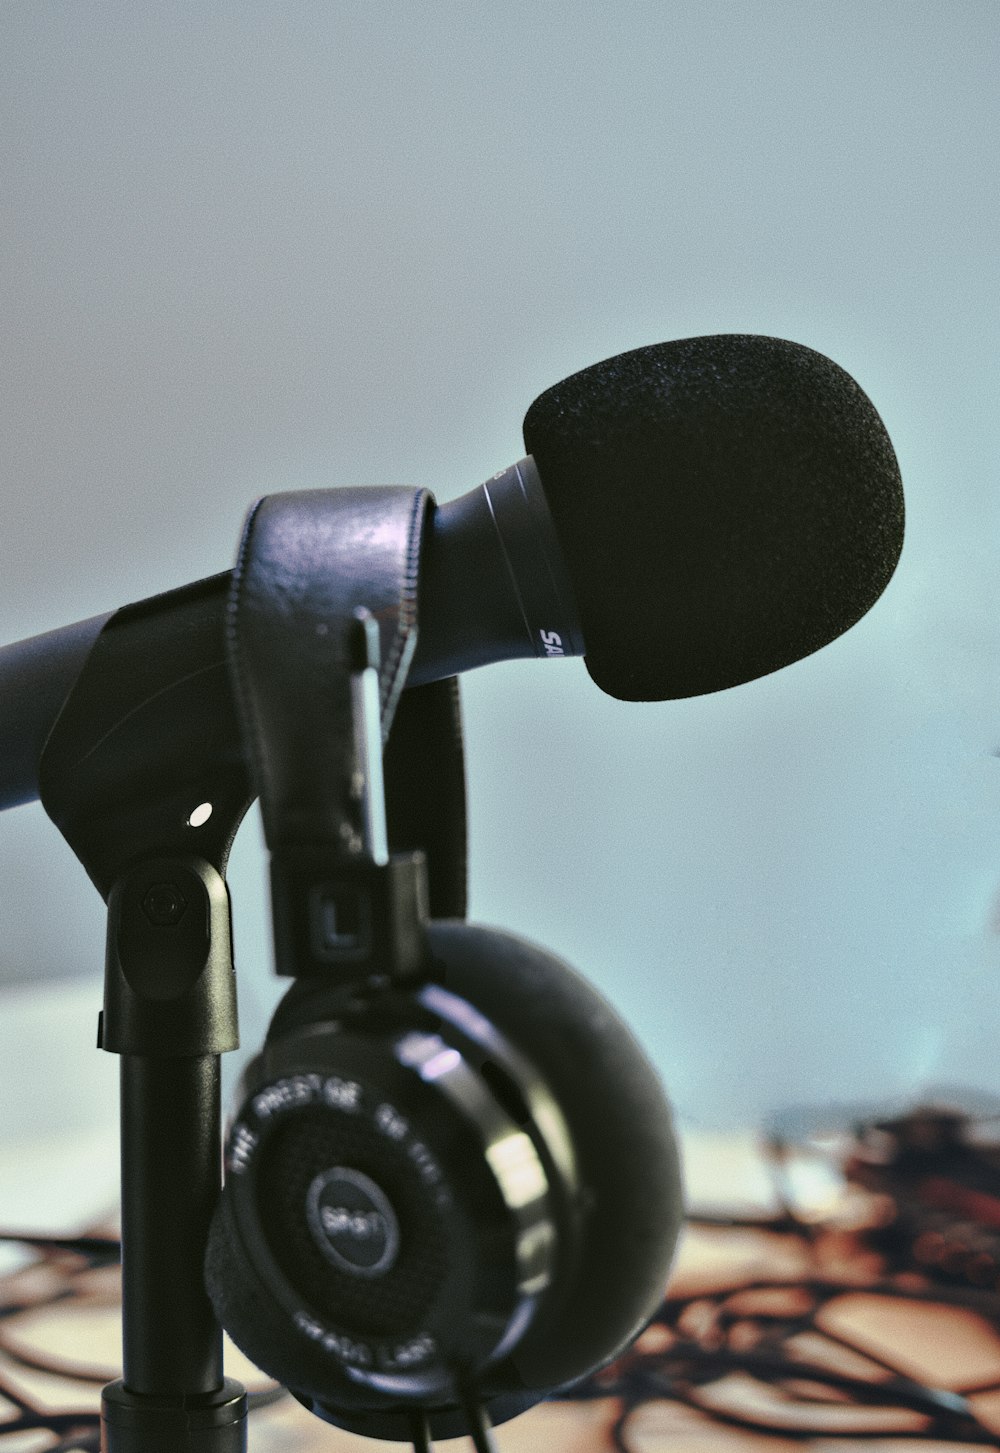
x: 726, y: 505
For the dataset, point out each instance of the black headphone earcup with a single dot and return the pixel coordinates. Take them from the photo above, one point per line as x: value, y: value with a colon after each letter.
x: 627, y: 1202
x: 622, y: 1133
x: 244, y: 1305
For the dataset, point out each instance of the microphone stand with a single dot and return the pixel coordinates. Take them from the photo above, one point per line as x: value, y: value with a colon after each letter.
x: 145, y: 774
x: 145, y: 739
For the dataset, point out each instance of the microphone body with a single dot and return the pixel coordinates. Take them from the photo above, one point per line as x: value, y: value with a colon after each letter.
x: 690, y: 516
x: 36, y: 677
x: 493, y: 582
x: 492, y: 588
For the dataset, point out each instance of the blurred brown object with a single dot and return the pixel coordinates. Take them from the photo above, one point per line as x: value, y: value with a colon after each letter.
x: 784, y: 1326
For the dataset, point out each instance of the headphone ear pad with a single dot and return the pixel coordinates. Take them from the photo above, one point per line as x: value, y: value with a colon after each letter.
x: 622, y: 1133
x: 245, y: 1306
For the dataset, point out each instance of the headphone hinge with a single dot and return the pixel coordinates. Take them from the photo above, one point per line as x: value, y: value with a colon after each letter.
x: 347, y: 920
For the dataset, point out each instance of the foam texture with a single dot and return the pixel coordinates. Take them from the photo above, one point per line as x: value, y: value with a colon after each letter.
x: 726, y: 505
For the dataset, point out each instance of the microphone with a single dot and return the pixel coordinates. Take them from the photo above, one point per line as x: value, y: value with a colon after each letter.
x: 726, y: 505
x: 691, y: 515
x: 702, y: 512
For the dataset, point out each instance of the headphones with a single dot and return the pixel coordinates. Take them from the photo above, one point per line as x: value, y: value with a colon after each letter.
x: 452, y: 1184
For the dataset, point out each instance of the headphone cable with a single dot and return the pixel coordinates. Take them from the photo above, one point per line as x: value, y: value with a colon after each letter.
x: 480, y: 1429
x: 420, y: 1433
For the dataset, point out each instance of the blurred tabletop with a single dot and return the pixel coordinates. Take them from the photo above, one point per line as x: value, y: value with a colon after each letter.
x: 946, y: 1347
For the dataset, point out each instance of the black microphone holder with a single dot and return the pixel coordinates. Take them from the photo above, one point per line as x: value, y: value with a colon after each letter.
x: 128, y: 812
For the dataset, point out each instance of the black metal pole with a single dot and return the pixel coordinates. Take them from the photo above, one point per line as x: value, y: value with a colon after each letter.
x: 170, y: 1157
x: 170, y: 1010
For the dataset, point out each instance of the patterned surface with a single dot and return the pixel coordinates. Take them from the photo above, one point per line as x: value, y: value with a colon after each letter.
x: 945, y: 1347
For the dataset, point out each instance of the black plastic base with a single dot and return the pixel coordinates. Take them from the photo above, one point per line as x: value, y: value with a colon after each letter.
x: 133, y: 1423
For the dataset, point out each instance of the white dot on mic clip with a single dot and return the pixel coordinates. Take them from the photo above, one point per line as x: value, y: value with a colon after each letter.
x: 200, y: 815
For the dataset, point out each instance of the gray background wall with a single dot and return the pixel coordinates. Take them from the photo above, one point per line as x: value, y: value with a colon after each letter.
x: 248, y: 247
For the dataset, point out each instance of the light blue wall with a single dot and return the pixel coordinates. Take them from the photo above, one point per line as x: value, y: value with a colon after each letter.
x: 247, y: 247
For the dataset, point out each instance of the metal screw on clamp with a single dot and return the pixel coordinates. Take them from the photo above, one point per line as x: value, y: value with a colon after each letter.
x: 164, y: 904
